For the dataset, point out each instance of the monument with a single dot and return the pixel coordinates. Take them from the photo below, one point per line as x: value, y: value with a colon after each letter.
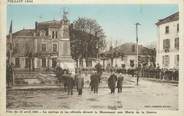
x: 64, y: 58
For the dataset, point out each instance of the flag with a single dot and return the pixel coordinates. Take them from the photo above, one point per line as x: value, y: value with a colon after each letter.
x: 10, y: 30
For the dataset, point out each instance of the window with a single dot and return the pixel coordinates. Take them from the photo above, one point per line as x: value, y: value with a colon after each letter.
x: 17, y: 62
x: 176, y: 43
x: 54, y: 62
x: 43, y: 47
x: 177, y: 60
x: 54, y: 34
x: 26, y: 63
x: 165, y: 61
x: 166, y: 44
x: 178, y: 27
x: 16, y: 48
x: 43, y: 62
x: 54, y: 48
x: 167, y: 29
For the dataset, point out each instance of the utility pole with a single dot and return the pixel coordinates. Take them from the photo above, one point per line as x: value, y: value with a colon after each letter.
x: 137, y: 41
x: 116, y: 51
x: 97, y: 46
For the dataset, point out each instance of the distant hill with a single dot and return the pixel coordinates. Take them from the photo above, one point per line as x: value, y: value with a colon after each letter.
x: 151, y: 45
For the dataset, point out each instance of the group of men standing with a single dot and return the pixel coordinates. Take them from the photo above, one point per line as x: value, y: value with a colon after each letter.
x: 70, y: 80
x: 115, y: 81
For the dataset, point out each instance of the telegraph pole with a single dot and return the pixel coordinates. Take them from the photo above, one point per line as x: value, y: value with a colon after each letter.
x: 137, y: 41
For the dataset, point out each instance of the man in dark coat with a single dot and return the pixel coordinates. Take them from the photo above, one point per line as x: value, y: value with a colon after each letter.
x: 112, y: 82
x: 92, y: 81
x: 70, y: 83
x: 65, y: 77
x: 120, y: 82
x: 99, y: 69
x: 96, y: 81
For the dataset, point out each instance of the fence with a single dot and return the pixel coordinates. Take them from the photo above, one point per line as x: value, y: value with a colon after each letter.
x: 163, y: 74
x: 156, y: 73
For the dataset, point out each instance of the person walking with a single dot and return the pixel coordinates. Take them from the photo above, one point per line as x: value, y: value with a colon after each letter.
x: 65, y: 79
x: 70, y: 83
x: 96, y: 81
x: 92, y: 81
x: 112, y: 82
x: 80, y: 83
x: 139, y: 70
x: 120, y: 82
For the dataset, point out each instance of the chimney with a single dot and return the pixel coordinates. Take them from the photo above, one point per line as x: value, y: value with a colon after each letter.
x: 36, y: 25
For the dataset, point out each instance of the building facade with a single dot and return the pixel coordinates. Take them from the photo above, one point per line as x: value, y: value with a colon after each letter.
x: 43, y: 47
x: 167, y: 53
x: 125, y: 56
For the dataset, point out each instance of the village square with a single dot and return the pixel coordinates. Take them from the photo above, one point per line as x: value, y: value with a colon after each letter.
x: 72, y: 64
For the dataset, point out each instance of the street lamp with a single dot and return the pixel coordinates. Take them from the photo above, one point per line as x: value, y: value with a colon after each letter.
x: 137, y: 40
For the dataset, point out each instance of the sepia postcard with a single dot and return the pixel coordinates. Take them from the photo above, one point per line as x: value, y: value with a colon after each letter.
x: 113, y: 57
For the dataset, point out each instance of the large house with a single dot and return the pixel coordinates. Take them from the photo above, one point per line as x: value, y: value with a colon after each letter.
x: 43, y: 47
x: 125, y: 56
x: 167, y: 53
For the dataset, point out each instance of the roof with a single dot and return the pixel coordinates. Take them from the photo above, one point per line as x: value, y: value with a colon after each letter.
x: 24, y: 32
x: 173, y: 17
x: 52, y: 23
x: 127, y: 49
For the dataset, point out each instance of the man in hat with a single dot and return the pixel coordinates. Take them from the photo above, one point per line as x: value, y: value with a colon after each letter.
x: 120, y: 82
x: 112, y: 82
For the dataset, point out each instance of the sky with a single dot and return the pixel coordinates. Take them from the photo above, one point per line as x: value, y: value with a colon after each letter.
x: 117, y: 21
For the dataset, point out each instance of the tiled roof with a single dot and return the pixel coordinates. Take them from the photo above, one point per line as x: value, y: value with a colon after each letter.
x: 173, y: 17
x: 46, y: 24
x: 126, y: 49
x: 24, y: 32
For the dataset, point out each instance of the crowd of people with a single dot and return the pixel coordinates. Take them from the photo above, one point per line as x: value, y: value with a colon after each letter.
x: 76, y: 80
x: 145, y: 71
x: 72, y: 80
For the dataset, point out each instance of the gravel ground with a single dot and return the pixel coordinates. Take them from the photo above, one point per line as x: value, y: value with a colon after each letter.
x: 148, y: 95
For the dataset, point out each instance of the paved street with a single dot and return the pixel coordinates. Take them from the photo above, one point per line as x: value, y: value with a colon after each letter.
x: 148, y: 95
